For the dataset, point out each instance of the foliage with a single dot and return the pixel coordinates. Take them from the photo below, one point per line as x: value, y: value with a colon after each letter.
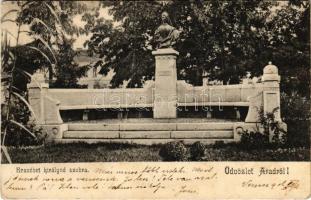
x: 295, y: 107
x: 221, y: 38
x: 273, y: 127
x: 295, y: 110
x: 289, y: 46
x: 27, y: 60
x: 14, y: 108
x: 253, y: 140
x: 197, y: 151
x: 65, y: 75
x: 296, y: 113
x: 68, y: 72
x: 50, y: 48
x: 260, y: 137
x: 173, y: 151
x: 16, y: 135
x: 52, y: 28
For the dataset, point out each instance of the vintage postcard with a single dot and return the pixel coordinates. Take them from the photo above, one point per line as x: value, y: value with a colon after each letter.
x: 155, y: 100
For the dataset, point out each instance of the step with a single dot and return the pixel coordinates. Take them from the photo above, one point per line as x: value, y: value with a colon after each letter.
x: 202, y: 134
x: 91, y: 134
x: 151, y: 126
x: 93, y: 127
x: 141, y: 141
x: 145, y: 134
x: 148, y: 127
x: 224, y: 134
x: 204, y: 126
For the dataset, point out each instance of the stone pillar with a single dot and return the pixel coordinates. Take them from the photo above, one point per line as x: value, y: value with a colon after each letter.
x: 269, y: 99
x: 36, y: 92
x: 271, y: 91
x: 45, y: 108
x: 165, y: 94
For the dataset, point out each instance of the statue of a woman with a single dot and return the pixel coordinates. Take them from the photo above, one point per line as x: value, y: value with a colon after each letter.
x: 166, y: 35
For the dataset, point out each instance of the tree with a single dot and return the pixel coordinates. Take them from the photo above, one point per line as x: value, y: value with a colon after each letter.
x: 289, y: 46
x: 126, y: 49
x: 68, y: 71
x: 51, y: 26
x: 50, y: 48
x: 224, y: 39
x: 215, y: 34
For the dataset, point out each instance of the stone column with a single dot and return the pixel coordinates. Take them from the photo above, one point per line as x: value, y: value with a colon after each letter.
x: 36, y: 92
x: 271, y: 91
x: 271, y: 97
x: 165, y: 94
x: 45, y: 108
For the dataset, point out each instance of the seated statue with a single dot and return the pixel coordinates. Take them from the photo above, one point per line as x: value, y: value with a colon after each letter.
x: 166, y: 35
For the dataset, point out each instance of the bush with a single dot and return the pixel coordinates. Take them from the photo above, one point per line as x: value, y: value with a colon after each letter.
x: 272, y: 126
x: 197, y: 151
x: 16, y: 135
x: 260, y: 138
x: 173, y: 151
x: 253, y: 140
x: 295, y: 111
x: 21, y: 138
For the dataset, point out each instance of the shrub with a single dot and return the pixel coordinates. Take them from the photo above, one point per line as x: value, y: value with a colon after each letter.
x: 295, y: 111
x: 173, y: 151
x: 16, y: 135
x: 21, y: 138
x: 260, y: 138
x: 219, y: 144
x: 197, y: 151
x: 253, y: 140
x: 271, y: 126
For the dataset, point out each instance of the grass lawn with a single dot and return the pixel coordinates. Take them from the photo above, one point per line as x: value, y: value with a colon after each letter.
x: 103, y: 152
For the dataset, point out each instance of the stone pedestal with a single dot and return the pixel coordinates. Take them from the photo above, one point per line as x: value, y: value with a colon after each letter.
x: 271, y: 91
x: 165, y: 94
x: 37, y: 89
x: 45, y: 109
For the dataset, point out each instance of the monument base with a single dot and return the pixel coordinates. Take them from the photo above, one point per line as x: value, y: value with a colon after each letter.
x: 165, y: 102
x: 165, y: 109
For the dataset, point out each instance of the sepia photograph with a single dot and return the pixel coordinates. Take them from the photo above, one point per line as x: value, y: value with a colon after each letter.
x: 155, y: 99
x: 123, y: 81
